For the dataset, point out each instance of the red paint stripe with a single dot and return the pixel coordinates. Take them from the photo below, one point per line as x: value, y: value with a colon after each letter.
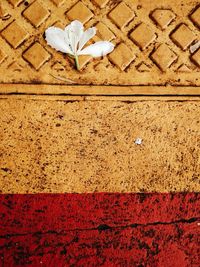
x: 99, y: 229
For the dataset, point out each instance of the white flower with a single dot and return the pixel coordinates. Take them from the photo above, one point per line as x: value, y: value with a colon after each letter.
x: 72, y: 40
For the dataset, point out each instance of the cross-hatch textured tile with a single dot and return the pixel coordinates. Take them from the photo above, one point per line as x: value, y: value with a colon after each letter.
x: 152, y: 42
x: 89, y: 146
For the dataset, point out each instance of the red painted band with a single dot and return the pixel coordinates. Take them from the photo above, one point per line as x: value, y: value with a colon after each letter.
x: 104, y: 229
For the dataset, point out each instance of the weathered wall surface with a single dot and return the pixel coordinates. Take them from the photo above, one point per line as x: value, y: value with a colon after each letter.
x: 53, y: 142
x: 156, y: 43
x: 108, y: 230
x: 88, y: 146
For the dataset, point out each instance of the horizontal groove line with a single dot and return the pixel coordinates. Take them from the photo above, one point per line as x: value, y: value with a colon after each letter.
x: 103, y: 91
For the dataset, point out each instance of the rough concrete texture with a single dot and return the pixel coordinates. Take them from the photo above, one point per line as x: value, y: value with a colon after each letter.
x: 89, y: 146
x: 110, y: 230
x: 153, y: 39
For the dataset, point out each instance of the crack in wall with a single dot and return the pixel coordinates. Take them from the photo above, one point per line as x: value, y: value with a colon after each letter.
x: 104, y: 227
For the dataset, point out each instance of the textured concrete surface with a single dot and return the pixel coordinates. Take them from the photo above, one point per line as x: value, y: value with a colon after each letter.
x: 84, y: 144
x: 154, y: 42
x: 110, y: 230
x: 89, y: 146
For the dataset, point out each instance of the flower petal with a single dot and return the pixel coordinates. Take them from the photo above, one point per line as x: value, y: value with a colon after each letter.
x: 77, y: 28
x: 74, y: 31
x: 55, y: 37
x: 98, y: 49
x: 86, y: 36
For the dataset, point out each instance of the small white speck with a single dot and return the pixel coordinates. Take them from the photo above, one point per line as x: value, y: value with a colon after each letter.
x: 138, y: 141
x: 198, y: 224
x: 194, y: 47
